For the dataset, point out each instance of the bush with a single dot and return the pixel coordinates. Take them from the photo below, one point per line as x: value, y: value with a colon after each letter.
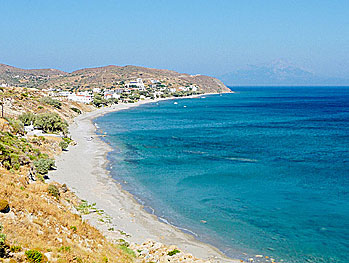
x: 27, y: 118
x: 43, y: 165
x: 76, y: 110
x: 13, y: 151
x: 173, y: 252
x: 17, y: 126
x: 51, y: 122
x: 4, y: 206
x: 55, y: 103
x: 63, y: 145
x: 35, y: 256
x: 15, y: 249
x: 53, y: 190
x: 3, y: 246
x: 14, y: 161
x: 99, y: 101
x: 127, y: 250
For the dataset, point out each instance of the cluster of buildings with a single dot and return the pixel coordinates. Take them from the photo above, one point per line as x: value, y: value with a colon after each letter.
x: 155, y: 88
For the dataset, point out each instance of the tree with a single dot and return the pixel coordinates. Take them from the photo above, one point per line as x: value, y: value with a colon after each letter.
x: 99, y: 101
x: 44, y: 165
x: 63, y: 145
x: 51, y: 122
x: 27, y: 118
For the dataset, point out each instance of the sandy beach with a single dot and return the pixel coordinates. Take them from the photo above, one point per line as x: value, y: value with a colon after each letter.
x: 83, y: 169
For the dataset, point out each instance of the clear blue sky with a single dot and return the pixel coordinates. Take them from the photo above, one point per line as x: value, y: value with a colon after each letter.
x: 195, y: 36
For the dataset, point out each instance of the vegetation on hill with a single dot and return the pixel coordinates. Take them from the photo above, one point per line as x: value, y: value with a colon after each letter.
x: 48, y: 122
x: 27, y: 77
x: 104, y: 77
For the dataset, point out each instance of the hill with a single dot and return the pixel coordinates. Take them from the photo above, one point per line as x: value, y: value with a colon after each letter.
x: 13, y: 76
x: 104, y: 77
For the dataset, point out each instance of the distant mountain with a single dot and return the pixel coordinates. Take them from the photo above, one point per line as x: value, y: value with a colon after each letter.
x: 103, y: 77
x: 277, y: 73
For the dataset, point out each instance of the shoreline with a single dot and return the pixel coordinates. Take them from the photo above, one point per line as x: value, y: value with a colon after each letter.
x: 84, y: 169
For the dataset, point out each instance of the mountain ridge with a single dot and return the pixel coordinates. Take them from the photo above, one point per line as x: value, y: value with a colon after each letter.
x: 278, y: 73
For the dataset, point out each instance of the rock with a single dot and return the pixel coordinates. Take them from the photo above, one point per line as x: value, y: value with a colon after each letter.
x: 4, y: 206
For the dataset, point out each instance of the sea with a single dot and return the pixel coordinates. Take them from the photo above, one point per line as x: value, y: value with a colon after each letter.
x: 262, y: 171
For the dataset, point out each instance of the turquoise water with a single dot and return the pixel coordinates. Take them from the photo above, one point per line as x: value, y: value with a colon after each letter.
x: 262, y: 171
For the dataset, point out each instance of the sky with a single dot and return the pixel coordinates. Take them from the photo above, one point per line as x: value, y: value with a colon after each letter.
x: 210, y: 37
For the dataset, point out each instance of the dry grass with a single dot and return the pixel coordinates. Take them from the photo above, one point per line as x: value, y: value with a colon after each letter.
x: 40, y: 221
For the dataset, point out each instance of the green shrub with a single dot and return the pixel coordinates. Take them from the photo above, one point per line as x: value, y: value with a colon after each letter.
x: 2, y: 238
x: 78, y: 111
x: 35, y: 256
x: 13, y: 151
x: 4, y: 206
x: 55, y: 103
x: 127, y: 250
x: 67, y: 140
x: 63, y: 145
x: 14, y: 161
x: 51, y: 123
x: 17, y: 126
x: 173, y: 252
x: 53, y: 190
x: 43, y: 165
x: 99, y: 101
x: 3, y: 246
x: 27, y: 118
x: 15, y: 249
x: 64, y: 249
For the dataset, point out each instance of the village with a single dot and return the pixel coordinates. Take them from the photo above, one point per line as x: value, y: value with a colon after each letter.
x: 128, y: 92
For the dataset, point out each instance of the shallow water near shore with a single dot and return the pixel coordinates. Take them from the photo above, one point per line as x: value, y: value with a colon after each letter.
x: 262, y: 171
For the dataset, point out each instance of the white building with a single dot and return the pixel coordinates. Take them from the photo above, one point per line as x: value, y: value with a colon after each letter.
x: 184, y: 88
x: 172, y: 90
x: 80, y: 97
x: 111, y: 95
x: 137, y: 84
x: 96, y: 90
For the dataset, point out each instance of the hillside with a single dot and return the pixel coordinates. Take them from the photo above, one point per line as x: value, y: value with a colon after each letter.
x: 104, y: 77
x: 13, y: 76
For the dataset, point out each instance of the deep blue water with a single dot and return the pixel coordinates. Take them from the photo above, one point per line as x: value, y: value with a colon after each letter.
x: 262, y: 171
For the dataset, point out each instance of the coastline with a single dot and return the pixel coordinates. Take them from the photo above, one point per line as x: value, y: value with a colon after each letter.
x: 83, y: 169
